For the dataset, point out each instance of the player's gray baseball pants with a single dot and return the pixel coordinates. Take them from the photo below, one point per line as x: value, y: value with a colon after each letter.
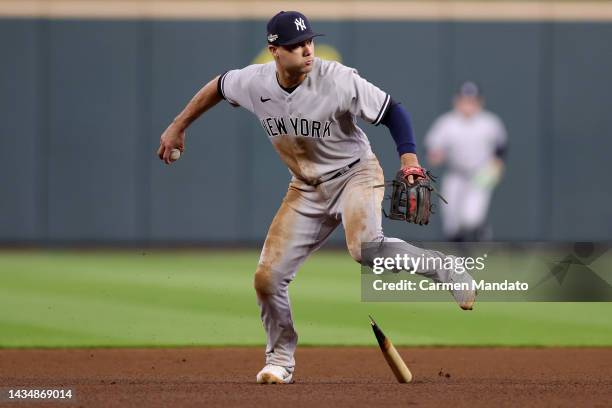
x: 468, y: 203
x: 306, y: 217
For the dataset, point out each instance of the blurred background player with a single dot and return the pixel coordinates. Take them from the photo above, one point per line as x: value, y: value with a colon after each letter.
x: 471, y: 142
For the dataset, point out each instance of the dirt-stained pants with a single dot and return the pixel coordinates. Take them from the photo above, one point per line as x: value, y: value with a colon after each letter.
x: 306, y: 217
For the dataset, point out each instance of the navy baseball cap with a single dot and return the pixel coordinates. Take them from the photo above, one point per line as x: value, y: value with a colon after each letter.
x: 288, y: 28
x: 469, y: 88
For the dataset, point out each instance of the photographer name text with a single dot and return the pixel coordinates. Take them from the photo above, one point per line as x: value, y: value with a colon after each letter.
x: 427, y: 285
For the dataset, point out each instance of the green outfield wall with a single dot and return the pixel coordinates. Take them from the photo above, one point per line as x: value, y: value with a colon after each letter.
x: 83, y: 102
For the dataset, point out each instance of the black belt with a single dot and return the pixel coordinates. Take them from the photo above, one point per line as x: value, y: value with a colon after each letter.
x: 332, y: 175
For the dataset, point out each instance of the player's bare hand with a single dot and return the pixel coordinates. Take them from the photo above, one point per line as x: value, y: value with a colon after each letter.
x: 409, y: 160
x: 172, y: 138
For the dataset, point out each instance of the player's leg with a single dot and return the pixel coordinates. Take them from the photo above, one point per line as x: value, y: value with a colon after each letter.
x: 298, y: 228
x: 452, y: 191
x: 360, y: 205
x: 473, y: 214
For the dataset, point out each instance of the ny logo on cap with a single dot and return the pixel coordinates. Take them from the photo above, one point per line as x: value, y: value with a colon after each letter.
x: 299, y: 24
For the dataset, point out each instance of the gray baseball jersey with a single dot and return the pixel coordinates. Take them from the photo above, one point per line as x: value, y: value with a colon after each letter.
x: 314, y: 128
x: 468, y: 143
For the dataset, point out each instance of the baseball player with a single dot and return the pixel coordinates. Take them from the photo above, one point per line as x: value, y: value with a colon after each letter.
x: 308, y: 108
x: 472, y: 143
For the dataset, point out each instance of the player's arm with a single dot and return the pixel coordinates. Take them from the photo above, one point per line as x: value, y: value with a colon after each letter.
x: 501, y: 146
x: 435, y: 142
x: 491, y: 173
x: 375, y: 106
x: 497, y: 164
x: 499, y: 157
x: 398, y: 121
x: 174, y: 135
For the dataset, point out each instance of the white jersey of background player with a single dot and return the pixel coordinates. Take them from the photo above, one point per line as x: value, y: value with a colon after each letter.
x: 472, y: 143
x: 309, y: 108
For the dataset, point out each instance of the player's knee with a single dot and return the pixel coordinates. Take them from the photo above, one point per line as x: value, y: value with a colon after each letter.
x: 263, y: 282
x: 354, y: 249
x: 355, y: 245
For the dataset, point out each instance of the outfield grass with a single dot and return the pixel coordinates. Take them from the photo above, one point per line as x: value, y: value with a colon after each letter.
x: 157, y: 298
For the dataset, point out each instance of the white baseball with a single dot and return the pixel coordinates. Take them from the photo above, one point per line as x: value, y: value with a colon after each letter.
x: 175, y: 154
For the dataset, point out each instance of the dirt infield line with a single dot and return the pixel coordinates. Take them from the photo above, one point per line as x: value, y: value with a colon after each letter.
x: 344, y: 376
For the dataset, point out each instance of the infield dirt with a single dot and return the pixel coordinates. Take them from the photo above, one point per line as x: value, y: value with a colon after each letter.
x: 338, y: 377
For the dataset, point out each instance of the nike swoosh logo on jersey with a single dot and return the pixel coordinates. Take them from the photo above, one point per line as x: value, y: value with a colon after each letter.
x: 261, y: 98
